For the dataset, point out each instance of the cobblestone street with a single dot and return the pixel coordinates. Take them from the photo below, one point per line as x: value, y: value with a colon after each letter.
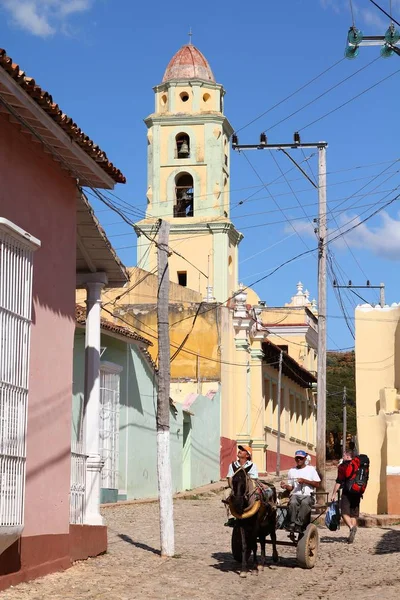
x: 204, y: 568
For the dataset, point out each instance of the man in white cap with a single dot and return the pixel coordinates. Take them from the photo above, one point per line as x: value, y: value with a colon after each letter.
x: 303, y: 480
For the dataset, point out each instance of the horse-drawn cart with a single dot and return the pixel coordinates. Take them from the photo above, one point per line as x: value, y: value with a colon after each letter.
x: 306, y: 542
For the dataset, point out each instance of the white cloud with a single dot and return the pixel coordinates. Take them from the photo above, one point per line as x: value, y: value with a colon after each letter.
x: 365, y: 14
x: 43, y: 17
x: 331, y: 4
x: 383, y: 240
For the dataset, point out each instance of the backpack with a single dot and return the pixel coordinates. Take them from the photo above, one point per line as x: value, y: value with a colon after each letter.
x: 357, y: 475
x: 332, y: 517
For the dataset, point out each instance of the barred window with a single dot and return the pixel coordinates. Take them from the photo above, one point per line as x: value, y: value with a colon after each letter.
x: 109, y: 423
x: 16, y: 262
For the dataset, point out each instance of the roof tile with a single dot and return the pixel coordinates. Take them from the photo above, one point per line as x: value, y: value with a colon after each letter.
x: 45, y: 101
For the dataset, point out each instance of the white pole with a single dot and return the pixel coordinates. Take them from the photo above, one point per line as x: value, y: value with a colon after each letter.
x: 164, y: 377
x: 278, y: 441
x: 321, y: 371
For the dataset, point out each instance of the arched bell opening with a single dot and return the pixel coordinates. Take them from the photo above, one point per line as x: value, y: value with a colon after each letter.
x: 184, y: 195
x: 182, y: 146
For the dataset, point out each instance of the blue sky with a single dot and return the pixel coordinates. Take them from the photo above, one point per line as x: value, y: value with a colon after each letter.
x: 100, y: 59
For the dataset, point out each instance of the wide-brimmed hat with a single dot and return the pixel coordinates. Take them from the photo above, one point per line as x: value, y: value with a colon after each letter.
x: 246, y: 449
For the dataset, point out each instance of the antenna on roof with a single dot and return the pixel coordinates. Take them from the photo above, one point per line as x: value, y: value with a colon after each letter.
x: 190, y: 36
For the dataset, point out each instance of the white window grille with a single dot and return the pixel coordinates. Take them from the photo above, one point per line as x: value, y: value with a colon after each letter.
x: 78, y: 484
x: 16, y: 265
x: 109, y: 423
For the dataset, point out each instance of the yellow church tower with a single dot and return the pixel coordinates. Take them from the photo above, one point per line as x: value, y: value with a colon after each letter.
x: 188, y: 179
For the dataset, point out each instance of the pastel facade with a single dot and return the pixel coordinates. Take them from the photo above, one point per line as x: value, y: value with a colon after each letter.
x: 249, y: 376
x: 43, y: 247
x: 377, y: 347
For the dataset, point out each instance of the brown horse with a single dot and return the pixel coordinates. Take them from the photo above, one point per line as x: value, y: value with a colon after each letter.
x: 255, y: 518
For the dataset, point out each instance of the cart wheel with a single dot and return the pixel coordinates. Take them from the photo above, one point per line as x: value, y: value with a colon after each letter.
x: 307, y: 547
x: 236, y: 544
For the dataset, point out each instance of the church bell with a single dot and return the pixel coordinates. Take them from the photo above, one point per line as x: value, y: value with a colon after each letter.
x: 184, y: 149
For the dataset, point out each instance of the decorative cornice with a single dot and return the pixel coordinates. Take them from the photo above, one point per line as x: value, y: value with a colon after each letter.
x: 190, y: 225
x: 256, y: 353
x: 311, y: 336
x: 188, y: 119
x: 242, y: 344
x: 161, y: 87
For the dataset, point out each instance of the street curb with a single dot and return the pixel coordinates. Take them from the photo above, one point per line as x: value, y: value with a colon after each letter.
x: 366, y: 520
x: 205, y: 490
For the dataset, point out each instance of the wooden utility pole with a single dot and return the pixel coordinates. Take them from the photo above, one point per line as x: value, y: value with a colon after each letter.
x: 321, y: 385
x: 278, y: 440
x: 321, y: 372
x: 164, y: 377
x: 344, y: 418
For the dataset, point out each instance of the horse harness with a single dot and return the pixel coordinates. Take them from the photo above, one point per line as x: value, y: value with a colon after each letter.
x: 259, y: 490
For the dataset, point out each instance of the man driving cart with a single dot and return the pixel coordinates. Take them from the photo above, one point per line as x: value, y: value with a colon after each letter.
x: 303, y: 480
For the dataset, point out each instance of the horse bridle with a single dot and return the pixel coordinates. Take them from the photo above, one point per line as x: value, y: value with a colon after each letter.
x: 248, y: 495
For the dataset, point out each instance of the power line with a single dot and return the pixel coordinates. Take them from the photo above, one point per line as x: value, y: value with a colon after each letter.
x: 322, y: 95
x: 348, y: 101
x: 290, y: 95
x: 384, y: 11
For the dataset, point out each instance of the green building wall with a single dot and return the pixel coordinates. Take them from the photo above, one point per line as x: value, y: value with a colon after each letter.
x: 194, y: 438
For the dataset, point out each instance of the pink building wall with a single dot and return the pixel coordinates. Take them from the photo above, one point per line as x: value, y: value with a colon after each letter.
x: 37, y: 195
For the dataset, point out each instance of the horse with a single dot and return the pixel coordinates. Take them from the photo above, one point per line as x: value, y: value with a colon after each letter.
x: 255, y: 518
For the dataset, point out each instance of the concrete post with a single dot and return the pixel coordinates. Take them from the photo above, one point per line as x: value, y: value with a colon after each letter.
x: 92, y: 399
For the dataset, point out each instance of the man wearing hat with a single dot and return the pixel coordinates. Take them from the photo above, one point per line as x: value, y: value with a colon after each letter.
x: 303, y: 480
x: 244, y: 456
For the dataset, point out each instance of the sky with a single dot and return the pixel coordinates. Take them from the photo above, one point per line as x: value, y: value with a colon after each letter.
x: 101, y: 58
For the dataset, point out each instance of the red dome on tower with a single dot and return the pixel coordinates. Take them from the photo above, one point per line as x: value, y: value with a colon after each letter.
x: 188, y: 63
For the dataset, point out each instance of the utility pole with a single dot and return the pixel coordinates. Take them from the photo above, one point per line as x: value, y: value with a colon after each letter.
x: 344, y: 418
x: 321, y: 367
x: 164, y: 378
x: 322, y: 230
x: 278, y: 441
x: 368, y: 286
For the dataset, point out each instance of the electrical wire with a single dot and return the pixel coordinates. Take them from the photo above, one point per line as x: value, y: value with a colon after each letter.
x: 321, y: 95
x: 290, y: 95
x: 371, y: 87
x: 385, y: 13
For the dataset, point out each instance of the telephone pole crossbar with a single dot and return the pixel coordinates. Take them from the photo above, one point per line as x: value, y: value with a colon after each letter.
x: 350, y: 286
x: 322, y: 251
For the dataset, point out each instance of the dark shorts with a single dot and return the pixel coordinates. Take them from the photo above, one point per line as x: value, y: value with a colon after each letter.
x: 350, y: 505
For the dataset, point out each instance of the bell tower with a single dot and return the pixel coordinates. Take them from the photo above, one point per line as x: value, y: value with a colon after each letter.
x: 189, y: 180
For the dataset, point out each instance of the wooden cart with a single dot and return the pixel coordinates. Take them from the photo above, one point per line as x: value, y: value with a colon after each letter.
x: 305, y: 542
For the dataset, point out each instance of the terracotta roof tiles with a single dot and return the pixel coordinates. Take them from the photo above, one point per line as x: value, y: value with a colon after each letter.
x: 80, y: 317
x: 46, y: 103
x: 188, y: 63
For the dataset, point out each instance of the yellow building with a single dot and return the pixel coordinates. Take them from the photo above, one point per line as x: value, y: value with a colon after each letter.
x: 378, y: 403
x: 250, y: 353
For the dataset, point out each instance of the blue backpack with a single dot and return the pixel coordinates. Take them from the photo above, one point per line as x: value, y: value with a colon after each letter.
x: 332, y: 517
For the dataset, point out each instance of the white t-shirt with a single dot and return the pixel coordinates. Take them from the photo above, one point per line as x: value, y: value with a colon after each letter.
x: 253, y: 473
x: 309, y: 472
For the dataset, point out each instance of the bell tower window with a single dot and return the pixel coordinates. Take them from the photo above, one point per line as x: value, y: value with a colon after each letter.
x: 182, y: 143
x: 184, y: 96
x: 184, y: 195
x: 182, y: 278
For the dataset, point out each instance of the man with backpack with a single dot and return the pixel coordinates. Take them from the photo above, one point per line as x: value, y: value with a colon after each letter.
x: 352, y: 477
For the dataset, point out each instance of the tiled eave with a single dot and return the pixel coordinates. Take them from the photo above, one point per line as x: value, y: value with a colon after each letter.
x: 33, y: 109
x: 108, y: 326
x: 290, y: 367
